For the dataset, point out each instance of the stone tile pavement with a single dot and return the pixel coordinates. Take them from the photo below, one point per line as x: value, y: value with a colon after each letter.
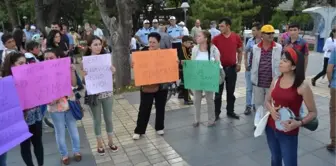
x: 229, y: 143
x: 150, y: 150
x: 51, y: 154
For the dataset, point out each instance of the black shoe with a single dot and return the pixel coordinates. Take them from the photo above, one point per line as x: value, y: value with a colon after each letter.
x: 313, y: 82
x: 232, y: 115
x: 189, y: 102
x: 248, y: 111
x: 217, y: 118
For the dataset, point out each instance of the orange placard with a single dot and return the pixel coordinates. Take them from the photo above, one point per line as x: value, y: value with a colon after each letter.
x: 155, y: 66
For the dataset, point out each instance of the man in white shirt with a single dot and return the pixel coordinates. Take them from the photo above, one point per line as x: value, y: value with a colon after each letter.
x: 213, y: 30
x: 185, y: 29
x: 196, y: 29
x: 97, y: 31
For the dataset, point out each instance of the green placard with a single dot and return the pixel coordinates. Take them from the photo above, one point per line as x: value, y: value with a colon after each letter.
x: 201, y: 75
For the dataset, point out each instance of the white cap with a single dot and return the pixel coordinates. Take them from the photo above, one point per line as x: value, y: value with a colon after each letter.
x: 172, y: 18
x: 32, y: 27
x: 155, y: 21
x: 181, y: 23
x: 146, y: 22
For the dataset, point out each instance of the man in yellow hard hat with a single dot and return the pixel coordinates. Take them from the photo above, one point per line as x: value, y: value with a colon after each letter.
x: 265, y: 64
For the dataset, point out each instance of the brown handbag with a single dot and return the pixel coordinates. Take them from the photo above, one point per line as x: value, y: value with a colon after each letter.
x: 150, y: 88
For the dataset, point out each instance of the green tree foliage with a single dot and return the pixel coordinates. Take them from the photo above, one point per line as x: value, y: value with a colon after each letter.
x: 92, y: 14
x: 208, y: 10
x: 267, y: 8
x: 279, y: 18
x: 302, y: 18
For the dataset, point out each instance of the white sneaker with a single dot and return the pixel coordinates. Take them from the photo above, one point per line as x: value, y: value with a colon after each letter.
x: 160, y: 132
x: 136, y: 136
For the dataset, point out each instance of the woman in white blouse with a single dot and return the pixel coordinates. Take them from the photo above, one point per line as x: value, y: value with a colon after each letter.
x: 204, y: 50
x: 329, y: 45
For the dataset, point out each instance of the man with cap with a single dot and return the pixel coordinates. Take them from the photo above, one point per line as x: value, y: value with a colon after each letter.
x: 176, y: 33
x: 213, y: 29
x: 142, y: 34
x: 185, y: 29
x: 155, y: 24
x: 265, y: 64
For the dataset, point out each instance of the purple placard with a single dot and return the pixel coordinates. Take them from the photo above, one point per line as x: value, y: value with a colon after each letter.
x: 43, y: 82
x: 13, y: 128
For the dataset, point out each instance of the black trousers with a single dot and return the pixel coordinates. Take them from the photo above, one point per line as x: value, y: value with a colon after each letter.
x: 36, y: 140
x: 182, y: 91
x: 324, y: 70
x: 230, y: 82
x: 178, y: 47
x: 146, y: 102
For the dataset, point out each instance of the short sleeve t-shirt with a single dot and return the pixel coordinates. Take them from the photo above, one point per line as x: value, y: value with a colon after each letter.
x: 228, y: 47
x: 300, y: 44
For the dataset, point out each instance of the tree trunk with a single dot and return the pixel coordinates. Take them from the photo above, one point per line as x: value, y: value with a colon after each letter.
x: 54, y: 10
x: 39, y: 8
x: 11, y: 13
x: 121, y: 36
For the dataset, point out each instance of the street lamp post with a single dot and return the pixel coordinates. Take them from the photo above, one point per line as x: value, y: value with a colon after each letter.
x: 185, y: 6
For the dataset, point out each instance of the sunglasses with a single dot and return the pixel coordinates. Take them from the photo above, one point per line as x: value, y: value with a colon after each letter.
x: 272, y: 33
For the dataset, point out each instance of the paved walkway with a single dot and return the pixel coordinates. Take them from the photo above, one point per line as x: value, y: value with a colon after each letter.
x: 229, y: 143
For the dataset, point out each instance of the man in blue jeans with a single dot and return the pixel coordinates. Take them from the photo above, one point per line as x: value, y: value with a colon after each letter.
x: 256, y: 27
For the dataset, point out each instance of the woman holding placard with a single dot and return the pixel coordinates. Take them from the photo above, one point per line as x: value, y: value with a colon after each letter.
x: 61, y: 116
x: 205, y: 51
x: 101, y: 102
x: 148, y: 94
x: 283, y: 102
x: 33, y: 116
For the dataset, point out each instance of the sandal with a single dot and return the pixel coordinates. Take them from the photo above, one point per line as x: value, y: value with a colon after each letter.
x: 65, y: 160
x: 331, y: 147
x: 114, y: 148
x: 210, y: 124
x: 78, y: 157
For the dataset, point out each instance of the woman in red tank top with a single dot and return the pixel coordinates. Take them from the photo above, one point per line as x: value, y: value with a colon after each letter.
x: 289, y: 90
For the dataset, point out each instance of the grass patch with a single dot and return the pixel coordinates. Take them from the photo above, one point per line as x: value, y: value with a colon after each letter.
x: 129, y: 88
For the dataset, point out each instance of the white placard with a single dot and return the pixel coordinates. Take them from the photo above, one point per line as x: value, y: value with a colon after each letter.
x: 99, y: 75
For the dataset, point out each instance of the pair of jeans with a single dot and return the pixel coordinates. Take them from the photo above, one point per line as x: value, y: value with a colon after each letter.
x: 283, y: 147
x: 249, y: 89
x: 146, y: 102
x: 230, y: 82
x: 60, y: 120
x: 259, y: 96
x: 104, y: 105
x: 36, y: 140
x: 3, y: 159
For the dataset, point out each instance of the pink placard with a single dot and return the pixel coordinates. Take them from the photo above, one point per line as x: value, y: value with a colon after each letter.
x: 43, y: 82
